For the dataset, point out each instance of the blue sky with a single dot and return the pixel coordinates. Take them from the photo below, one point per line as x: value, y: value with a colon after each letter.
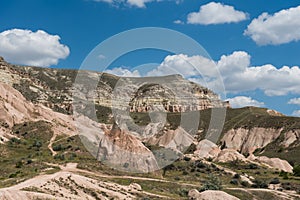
x: 83, y: 24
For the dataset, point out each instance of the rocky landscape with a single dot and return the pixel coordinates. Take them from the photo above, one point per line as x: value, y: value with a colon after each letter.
x: 61, y: 138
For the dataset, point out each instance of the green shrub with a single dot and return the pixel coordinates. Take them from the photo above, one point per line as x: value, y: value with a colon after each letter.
x: 259, y: 184
x: 296, y: 170
x: 275, y: 181
x: 234, y: 182
x: 19, y: 164
x: 245, y: 184
x: 57, y: 147
x: 213, y: 183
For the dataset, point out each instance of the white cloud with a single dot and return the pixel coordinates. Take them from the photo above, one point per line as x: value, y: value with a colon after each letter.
x: 296, y: 113
x: 178, y: 22
x: 123, y: 72
x: 187, y: 66
x: 279, y: 28
x: 236, y: 72
x: 32, y: 48
x: 242, y: 101
x: 216, y: 13
x: 295, y: 101
x: 238, y: 76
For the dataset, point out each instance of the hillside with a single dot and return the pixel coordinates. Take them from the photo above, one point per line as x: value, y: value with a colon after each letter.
x: 44, y: 152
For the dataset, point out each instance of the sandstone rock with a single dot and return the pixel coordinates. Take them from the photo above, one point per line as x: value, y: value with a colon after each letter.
x: 123, y: 151
x: 228, y: 155
x: 210, y: 195
x: 177, y: 140
x: 272, y: 162
x: 135, y: 186
x: 206, y: 149
x: 290, y: 137
x: 247, y: 141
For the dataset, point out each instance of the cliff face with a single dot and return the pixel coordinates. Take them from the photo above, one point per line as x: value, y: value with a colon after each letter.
x: 248, y: 140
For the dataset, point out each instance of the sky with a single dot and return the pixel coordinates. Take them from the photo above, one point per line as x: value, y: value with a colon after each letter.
x: 254, y: 45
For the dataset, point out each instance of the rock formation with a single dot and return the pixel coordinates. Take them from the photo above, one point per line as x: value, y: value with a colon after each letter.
x: 210, y: 194
x: 123, y: 151
x: 248, y: 140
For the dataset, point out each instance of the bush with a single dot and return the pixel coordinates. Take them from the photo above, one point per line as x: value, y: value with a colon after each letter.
x: 259, y: 184
x: 236, y: 176
x: 253, y: 166
x: 245, y: 184
x: 275, y: 181
x: 284, y: 175
x: 234, y: 182
x: 59, y: 156
x: 57, y: 147
x: 186, y: 158
x: 213, y: 183
x: 296, y: 170
x: 19, y: 164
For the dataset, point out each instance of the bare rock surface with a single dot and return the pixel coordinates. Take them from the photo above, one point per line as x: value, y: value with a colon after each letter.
x: 248, y: 140
x: 228, y: 155
x: 210, y: 195
x: 206, y: 149
x: 272, y: 162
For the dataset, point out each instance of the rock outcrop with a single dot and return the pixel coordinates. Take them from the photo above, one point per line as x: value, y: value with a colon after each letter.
x: 15, y: 109
x: 275, y: 163
x: 209, y: 195
x: 206, y: 149
x: 228, y: 155
x: 178, y: 140
x: 125, y: 152
x: 248, y: 140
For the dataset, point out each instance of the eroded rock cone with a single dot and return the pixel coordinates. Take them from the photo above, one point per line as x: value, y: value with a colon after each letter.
x: 123, y: 151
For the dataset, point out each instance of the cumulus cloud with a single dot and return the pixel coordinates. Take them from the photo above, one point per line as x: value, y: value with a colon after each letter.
x: 279, y: 28
x: 236, y: 72
x: 32, y: 48
x: 123, y: 72
x: 295, y: 101
x: 242, y: 101
x: 187, y: 66
x: 296, y: 113
x: 216, y: 13
x: 178, y: 22
x: 273, y: 81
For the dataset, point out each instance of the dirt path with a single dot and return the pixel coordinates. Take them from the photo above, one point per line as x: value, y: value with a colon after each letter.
x: 289, y: 195
x: 70, y: 170
x: 51, y: 143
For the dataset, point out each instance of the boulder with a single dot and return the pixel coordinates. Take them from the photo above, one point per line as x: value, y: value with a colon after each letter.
x: 206, y: 149
x: 210, y: 195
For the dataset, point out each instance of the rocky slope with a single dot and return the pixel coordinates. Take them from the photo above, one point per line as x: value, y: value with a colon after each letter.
x: 15, y: 109
x: 56, y: 87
